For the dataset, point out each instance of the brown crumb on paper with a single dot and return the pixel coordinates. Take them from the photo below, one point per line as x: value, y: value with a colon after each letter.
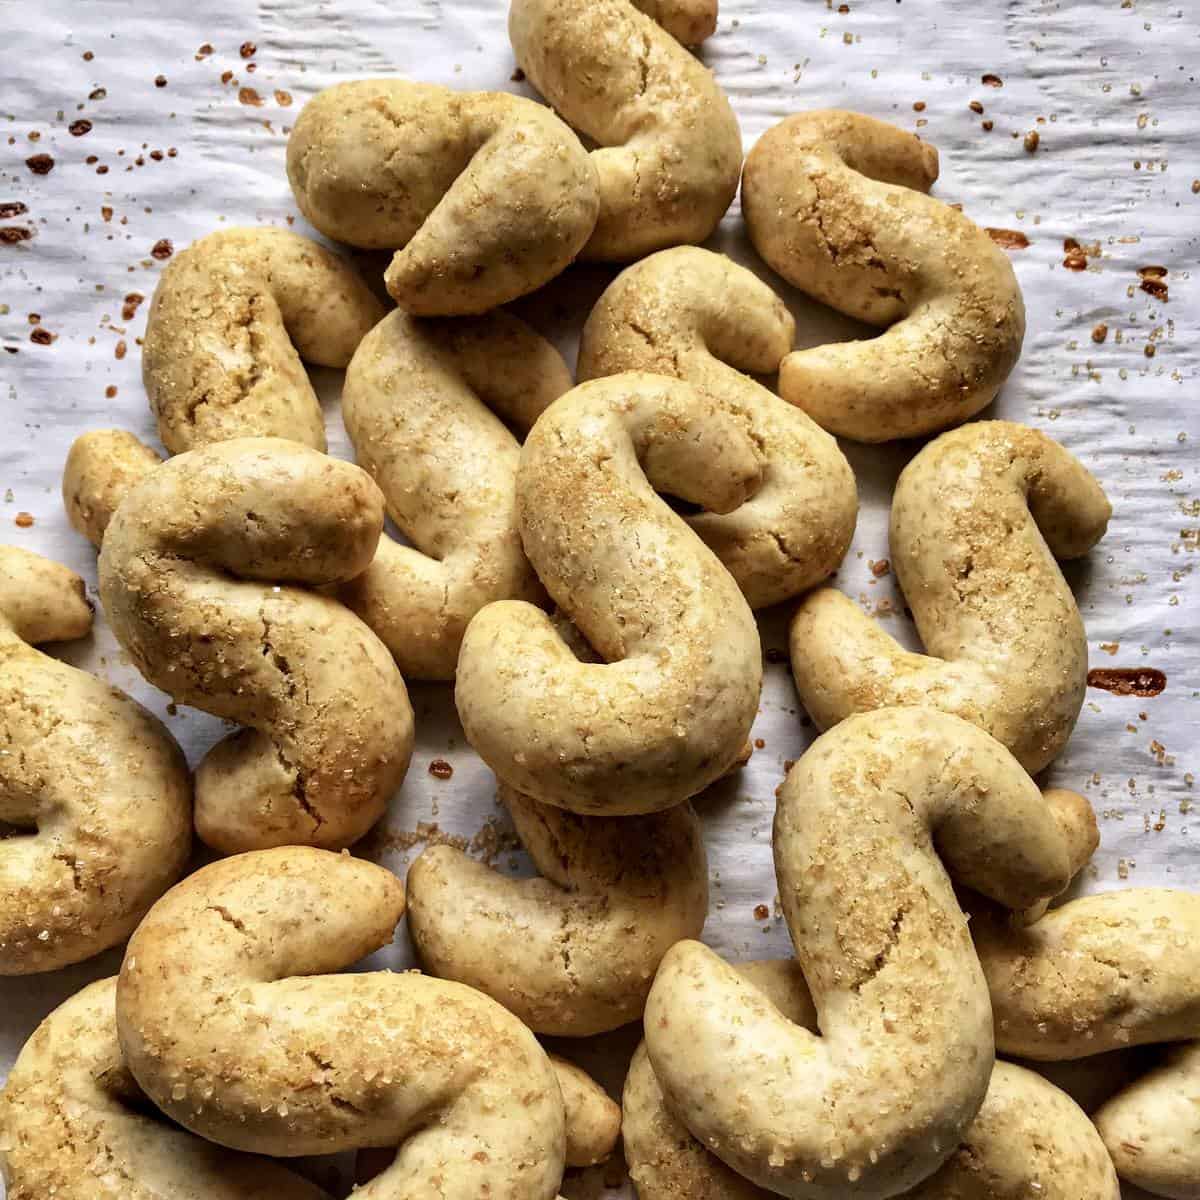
x: 162, y: 249
x: 1032, y: 140
x: 439, y: 768
x: 247, y: 49
x: 1153, y: 282
x: 160, y: 81
x: 205, y: 50
x: 130, y: 305
x: 1128, y: 681
x: 40, y: 164
x: 12, y: 208
x: 992, y: 81
x: 43, y: 337
x: 976, y: 107
x: 10, y: 235
x: 1010, y: 239
x: 23, y: 520
x: 250, y: 96
x: 1077, y: 255
x: 761, y: 912
x: 282, y: 98
x: 1099, y: 333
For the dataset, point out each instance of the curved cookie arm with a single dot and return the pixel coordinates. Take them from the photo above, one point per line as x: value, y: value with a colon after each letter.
x: 484, y: 196
x: 593, y: 1123
x: 96, y: 787
x: 418, y: 404
x: 905, y: 1053
x: 1152, y: 1128
x: 1099, y: 973
x: 231, y: 319
x: 75, y: 1127
x: 1028, y: 1137
x: 195, y: 575
x: 977, y: 520
x: 103, y: 466
x: 696, y: 315
x: 834, y: 202
x: 572, y: 953
x: 668, y: 711
x: 671, y: 150
x: 231, y: 1024
x: 689, y: 22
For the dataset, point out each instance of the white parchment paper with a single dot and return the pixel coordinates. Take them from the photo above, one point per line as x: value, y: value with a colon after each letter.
x: 188, y: 106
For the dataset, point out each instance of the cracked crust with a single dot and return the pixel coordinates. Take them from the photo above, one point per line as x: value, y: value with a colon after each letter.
x: 196, y: 575
x: 229, y: 1020
x: 1101, y: 972
x: 418, y: 404
x: 76, y: 1126
x: 484, y: 196
x: 978, y: 518
x: 864, y: 823
x: 670, y: 147
x: 574, y: 952
x: 96, y: 788
x: 668, y: 710
x: 1027, y: 1139
x: 689, y: 22
x: 834, y: 201
x: 1152, y: 1129
x: 697, y: 316
x: 231, y: 319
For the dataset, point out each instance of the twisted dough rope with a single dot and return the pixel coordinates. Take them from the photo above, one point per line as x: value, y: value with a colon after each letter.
x: 978, y: 518
x: 96, y: 787
x: 669, y: 709
x: 833, y: 201
x: 689, y: 22
x: 418, y: 403
x: 195, y: 570
x: 231, y: 318
x: 1028, y: 1138
x: 73, y: 1125
x: 901, y: 1069
x: 230, y: 1023
x: 484, y: 196
x: 574, y: 952
x: 696, y: 315
x: 670, y: 147
x: 1102, y: 972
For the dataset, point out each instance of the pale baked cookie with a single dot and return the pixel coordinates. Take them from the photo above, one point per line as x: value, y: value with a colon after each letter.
x: 698, y: 316
x: 232, y: 317
x: 978, y: 518
x: 834, y: 201
x: 96, y: 788
x: 669, y: 708
x: 670, y: 150
x: 198, y: 575
x: 484, y: 196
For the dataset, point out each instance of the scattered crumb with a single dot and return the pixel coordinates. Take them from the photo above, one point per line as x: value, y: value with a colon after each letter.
x: 1099, y: 333
x: 1032, y: 139
x: 23, y: 520
x: 439, y: 768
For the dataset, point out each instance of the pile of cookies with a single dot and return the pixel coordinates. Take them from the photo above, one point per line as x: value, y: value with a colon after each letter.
x: 606, y: 666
